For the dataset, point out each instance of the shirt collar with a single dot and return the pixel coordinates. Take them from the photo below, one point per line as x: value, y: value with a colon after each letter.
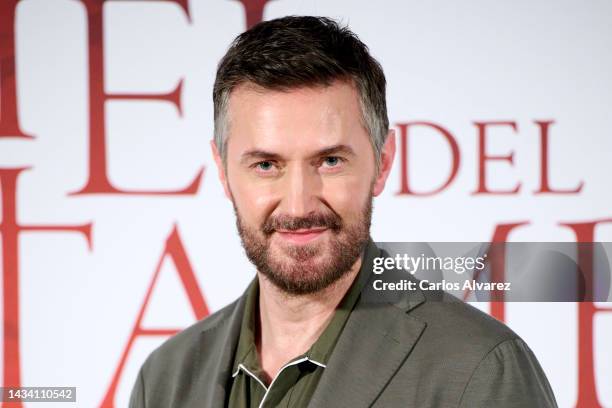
x: 246, y: 353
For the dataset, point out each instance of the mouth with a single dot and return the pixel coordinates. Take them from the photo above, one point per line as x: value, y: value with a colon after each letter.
x: 301, y: 236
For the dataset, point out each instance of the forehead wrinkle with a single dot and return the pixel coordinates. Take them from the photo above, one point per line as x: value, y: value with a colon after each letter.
x: 277, y: 127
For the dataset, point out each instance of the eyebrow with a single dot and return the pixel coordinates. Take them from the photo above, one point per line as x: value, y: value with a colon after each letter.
x: 265, y: 155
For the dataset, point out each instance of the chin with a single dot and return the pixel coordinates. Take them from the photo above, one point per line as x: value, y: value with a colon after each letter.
x: 317, y: 250
x: 301, y: 257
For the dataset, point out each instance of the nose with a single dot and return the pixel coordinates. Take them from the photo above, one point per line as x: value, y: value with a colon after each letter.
x: 301, y: 188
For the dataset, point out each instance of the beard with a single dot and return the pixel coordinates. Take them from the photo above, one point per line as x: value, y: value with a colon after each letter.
x: 312, y: 267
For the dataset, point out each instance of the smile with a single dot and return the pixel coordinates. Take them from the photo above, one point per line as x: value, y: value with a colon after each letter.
x: 301, y: 236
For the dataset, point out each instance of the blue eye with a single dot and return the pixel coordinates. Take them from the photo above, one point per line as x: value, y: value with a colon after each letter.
x: 331, y: 161
x: 264, y: 165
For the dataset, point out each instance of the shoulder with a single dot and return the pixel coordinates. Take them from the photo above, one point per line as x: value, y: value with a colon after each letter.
x: 456, y: 323
x: 471, y: 357
x: 182, y: 347
x: 510, y: 372
x: 178, y: 361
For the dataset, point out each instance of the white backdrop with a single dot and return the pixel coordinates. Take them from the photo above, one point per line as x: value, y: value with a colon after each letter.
x: 447, y: 63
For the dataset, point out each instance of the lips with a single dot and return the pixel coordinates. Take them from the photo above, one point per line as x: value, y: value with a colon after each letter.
x: 301, y: 236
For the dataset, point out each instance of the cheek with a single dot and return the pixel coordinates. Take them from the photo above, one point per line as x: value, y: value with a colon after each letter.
x: 346, y: 195
x: 254, y: 202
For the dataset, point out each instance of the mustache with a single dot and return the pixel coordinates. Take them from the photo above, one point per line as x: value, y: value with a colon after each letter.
x: 331, y: 221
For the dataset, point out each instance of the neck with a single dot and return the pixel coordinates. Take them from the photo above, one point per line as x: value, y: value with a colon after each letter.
x: 290, y: 324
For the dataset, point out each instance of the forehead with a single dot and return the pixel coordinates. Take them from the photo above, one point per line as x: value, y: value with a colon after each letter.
x: 294, y: 121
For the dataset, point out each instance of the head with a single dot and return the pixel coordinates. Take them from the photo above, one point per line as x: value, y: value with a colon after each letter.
x: 302, y: 146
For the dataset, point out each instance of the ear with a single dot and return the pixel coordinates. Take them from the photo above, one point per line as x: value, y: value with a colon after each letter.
x: 220, y: 169
x: 386, y: 162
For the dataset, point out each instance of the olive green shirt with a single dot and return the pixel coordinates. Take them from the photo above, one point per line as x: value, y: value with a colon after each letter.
x: 296, y: 381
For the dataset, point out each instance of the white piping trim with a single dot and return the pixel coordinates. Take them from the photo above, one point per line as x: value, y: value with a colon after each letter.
x: 317, y: 363
x: 279, y: 371
x: 252, y: 375
x: 240, y: 366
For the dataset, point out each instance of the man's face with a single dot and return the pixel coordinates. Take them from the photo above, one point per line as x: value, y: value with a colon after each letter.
x: 301, y: 175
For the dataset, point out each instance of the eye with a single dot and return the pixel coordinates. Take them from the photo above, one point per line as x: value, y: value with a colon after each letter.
x: 332, y: 161
x: 264, y: 166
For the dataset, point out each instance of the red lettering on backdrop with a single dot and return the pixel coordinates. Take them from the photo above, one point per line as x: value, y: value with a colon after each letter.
x: 175, y: 249
x: 587, y: 387
x: 253, y: 11
x: 483, y: 158
x: 496, y: 257
x: 9, y: 232
x: 9, y: 113
x: 501, y: 233
x: 544, y: 164
x: 585, y: 233
x: 404, y: 177
x: 98, y: 181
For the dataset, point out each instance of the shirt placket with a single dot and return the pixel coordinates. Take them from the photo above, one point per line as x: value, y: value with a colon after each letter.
x: 281, y: 385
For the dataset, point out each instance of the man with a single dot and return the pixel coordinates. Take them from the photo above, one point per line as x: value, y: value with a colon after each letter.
x: 302, y: 144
